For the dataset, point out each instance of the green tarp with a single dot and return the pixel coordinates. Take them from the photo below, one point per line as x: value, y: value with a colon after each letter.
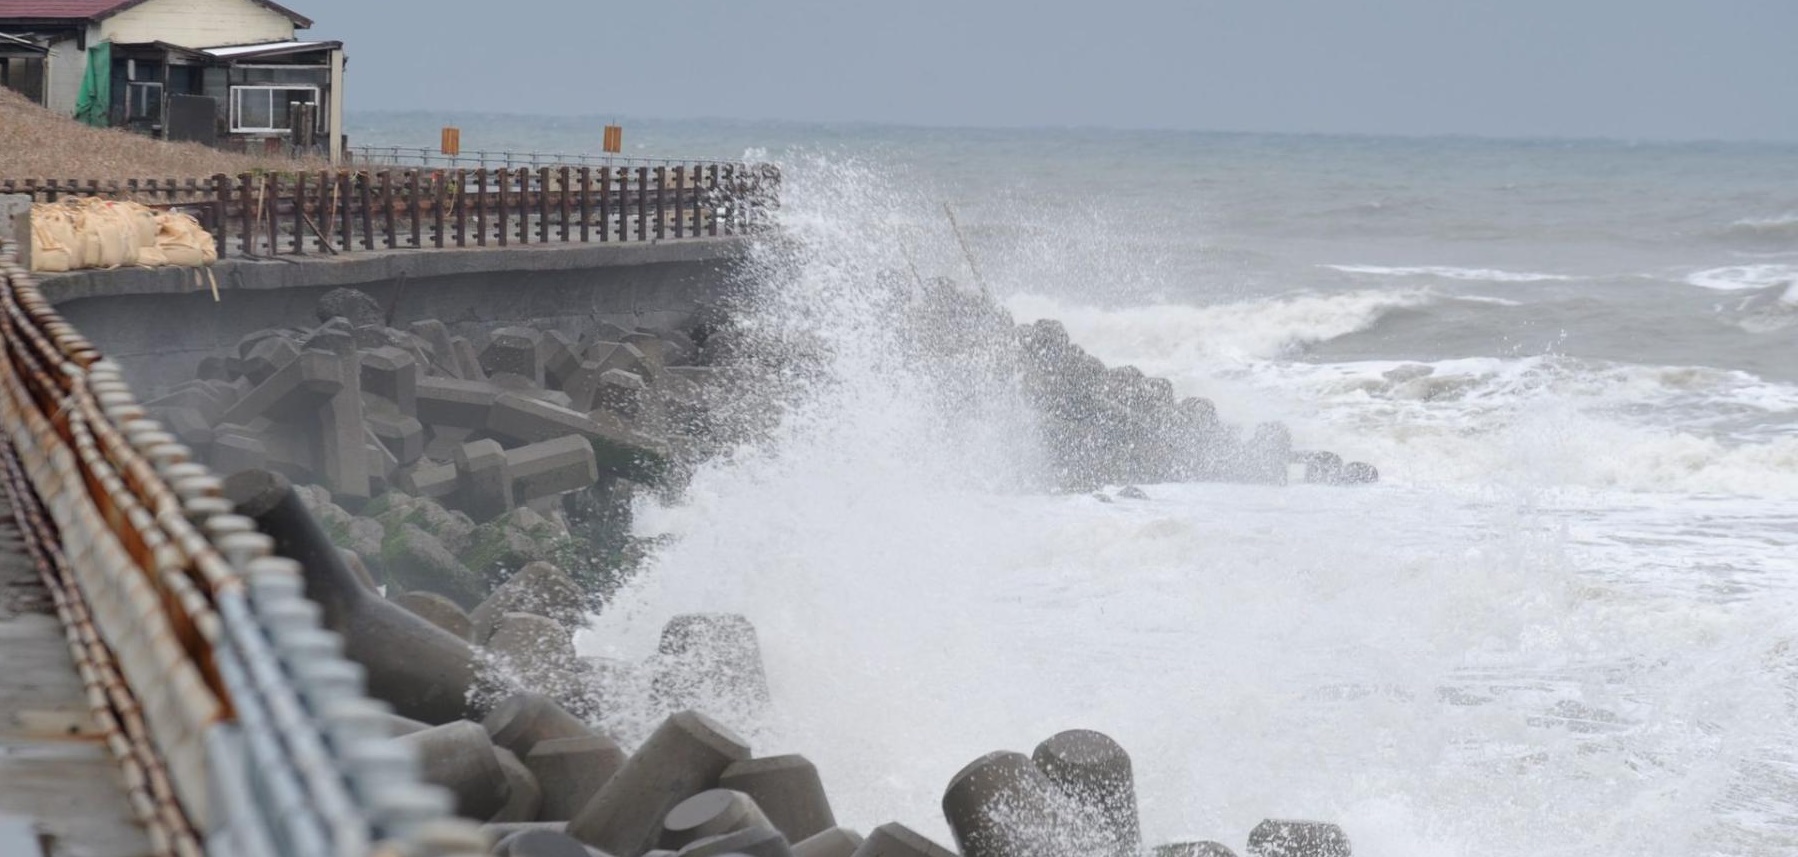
x: 95, y: 101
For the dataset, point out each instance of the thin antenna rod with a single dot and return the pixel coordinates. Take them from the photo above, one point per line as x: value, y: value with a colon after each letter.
x: 963, y: 241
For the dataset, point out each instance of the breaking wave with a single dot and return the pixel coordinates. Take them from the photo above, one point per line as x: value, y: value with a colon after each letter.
x: 1488, y: 275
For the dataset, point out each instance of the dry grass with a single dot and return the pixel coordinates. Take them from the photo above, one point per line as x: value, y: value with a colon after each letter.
x: 38, y: 144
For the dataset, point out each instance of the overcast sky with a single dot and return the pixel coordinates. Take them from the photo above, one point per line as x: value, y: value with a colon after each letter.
x: 1684, y: 69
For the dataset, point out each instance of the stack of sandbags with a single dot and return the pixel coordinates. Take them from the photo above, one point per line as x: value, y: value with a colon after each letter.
x: 99, y: 233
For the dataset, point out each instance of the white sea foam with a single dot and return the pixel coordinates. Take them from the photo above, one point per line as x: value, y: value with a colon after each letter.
x: 1489, y: 275
x: 1743, y: 277
x: 1479, y: 658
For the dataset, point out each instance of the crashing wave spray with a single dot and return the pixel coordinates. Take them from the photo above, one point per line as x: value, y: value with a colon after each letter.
x: 1441, y: 672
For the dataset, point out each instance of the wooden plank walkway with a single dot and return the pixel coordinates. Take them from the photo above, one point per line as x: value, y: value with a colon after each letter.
x: 55, y: 774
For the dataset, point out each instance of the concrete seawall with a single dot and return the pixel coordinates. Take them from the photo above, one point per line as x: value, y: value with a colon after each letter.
x: 159, y: 322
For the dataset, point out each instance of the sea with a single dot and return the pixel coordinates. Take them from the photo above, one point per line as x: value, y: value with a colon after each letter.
x: 1563, y: 623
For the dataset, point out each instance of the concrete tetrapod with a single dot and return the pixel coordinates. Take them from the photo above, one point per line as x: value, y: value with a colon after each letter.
x: 1095, y: 772
x: 460, y: 757
x: 1194, y: 849
x: 524, y: 719
x: 526, y: 796
x: 835, y: 842
x: 1000, y: 805
x: 896, y: 840
x: 684, y: 757
x: 539, y: 843
x: 709, y: 659
x: 423, y: 671
x: 713, y: 812
x: 1282, y: 838
x: 788, y: 790
x: 752, y: 842
x: 571, y: 771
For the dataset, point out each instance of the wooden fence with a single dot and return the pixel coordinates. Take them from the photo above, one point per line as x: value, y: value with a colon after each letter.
x: 259, y: 215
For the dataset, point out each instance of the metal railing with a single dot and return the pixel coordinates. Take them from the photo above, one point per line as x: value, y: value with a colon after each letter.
x: 418, y: 156
x: 260, y: 215
x: 240, y: 727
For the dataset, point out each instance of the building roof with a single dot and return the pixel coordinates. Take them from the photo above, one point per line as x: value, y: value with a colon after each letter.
x: 267, y: 49
x: 95, y: 10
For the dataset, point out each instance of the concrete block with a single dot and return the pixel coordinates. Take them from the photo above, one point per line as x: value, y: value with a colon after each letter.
x: 683, y: 757
x: 341, y: 438
x: 835, y: 842
x: 188, y: 425
x: 540, y: 843
x: 571, y: 771
x: 752, y: 842
x: 381, y: 461
x: 392, y: 374
x: 710, y: 659
x: 267, y: 357
x: 714, y: 812
x: 537, y: 647
x: 202, y: 397
x: 443, y: 351
x: 212, y: 368
x: 560, y: 355
x: 1284, y: 838
x: 1193, y: 849
x: 420, y: 669
x: 403, y: 436
x: 582, y: 385
x: 625, y: 452
x: 523, y: 720
x: 1000, y: 805
x: 1095, y: 772
x: 788, y: 791
x: 336, y: 336
x: 234, y: 449
x: 538, y: 588
x: 449, y: 402
x: 897, y: 840
x: 514, y: 350
x: 293, y: 392
x: 525, y: 797
x: 552, y: 467
x: 459, y: 756
x: 426, y: 478
x: 468, y: 359
x: 441, y: 442
x: 621, y: 355
x: 483, y: 481
x: 528, y: 420
x: 620, y: 392
x: 440, y: 611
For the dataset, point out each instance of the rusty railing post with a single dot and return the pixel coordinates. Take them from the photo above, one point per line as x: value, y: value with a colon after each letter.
x: 505, y: 191
x: 642, y: 203
x: 587, y: 204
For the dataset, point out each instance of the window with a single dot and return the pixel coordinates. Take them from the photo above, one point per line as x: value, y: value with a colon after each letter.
x: 143, y: 100
x: 264, y: 108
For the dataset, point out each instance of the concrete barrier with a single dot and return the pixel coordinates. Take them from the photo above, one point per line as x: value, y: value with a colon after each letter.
x: 682, y: 758
x: 788, y: 790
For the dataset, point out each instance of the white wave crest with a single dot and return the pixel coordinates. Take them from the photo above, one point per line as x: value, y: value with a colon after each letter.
x: 1735, y: 278
x: 1165, y: 339
x: 1489, y: 275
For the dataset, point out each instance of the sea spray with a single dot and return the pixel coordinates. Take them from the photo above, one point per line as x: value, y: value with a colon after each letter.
x: 1437, y: 668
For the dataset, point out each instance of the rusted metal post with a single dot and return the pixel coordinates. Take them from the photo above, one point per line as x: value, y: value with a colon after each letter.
x: 345, y: 229
x: 680, y: 196
x: 543, y: 205
x: 661, y: 177
x: 605, y: 203
x: 480, y: 210
x: 271, y: 199
x: 562, y: 193
x: 221, y: 187
x: 387, y: 212
x: 415, y: 200
x: 587, y: 205
x: 299, y: 214
x: 245, y: 202
x: 642, y: 203
x: 365, y: 183
x: 505, y: 193
x: 461, y: 208
x: 439, y: 199
x: 698, y: 197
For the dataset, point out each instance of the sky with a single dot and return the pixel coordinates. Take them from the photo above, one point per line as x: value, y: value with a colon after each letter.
x: 1630, y: 69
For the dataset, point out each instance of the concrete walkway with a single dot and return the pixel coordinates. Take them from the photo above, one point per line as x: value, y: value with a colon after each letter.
x: 60, y: 790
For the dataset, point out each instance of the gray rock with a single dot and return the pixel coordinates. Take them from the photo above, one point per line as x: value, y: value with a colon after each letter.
x: 416, y: 559
x: 356, y: 306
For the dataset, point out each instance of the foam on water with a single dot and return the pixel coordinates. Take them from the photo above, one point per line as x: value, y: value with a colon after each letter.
x: 1488, y: 275
x: 1481, y: 665
x: 1743, y: 277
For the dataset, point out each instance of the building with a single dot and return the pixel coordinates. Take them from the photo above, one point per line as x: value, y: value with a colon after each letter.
x: 231, y: 73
